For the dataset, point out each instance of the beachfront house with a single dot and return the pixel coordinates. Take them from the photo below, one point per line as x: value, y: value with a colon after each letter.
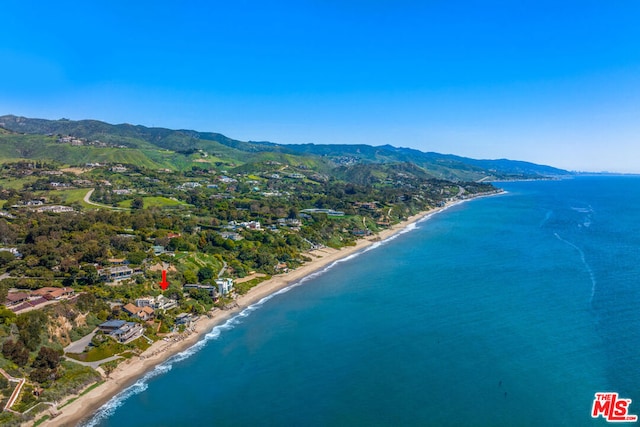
x: 110, y: 326
x: 224, y: 285
x: 120, y: 330
x: 184, y: 319
x: 210, y: 289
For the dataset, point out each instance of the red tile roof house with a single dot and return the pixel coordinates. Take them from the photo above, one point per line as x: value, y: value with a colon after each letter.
x: 51, y: 293
x: 15, y: 298
x: 144, y: 313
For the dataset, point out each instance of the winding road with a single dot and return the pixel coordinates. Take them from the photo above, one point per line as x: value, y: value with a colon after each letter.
x: 87, y: 200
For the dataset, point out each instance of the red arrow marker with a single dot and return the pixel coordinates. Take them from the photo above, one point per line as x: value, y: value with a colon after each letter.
x: 164, y: 284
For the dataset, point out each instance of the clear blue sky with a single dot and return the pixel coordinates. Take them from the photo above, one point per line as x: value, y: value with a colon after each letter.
x: 550, y: 82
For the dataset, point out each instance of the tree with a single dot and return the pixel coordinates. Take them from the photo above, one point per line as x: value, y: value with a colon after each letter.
x: 4, y: 383
x: 6, y: 257
x: 91, y: 276
x: 136, y: 257
x: 7, y: 235
x: 173, y: 291
x: 7, y: 316
x: 47, y: 358
x: 201, y: 295
x: 85, y: 301
x: 30, y: 326
x: 16, y: 352
x: 190, y: 276
x: 137, y: 203
x: 205, y: 273
x: 293, y: 213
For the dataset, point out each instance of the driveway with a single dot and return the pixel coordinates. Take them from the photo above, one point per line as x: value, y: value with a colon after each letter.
x: 81, y: 344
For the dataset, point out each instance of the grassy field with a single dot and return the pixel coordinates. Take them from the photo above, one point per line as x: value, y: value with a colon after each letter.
x: 243, y: 288
x: 195, y: 261
x: 110, y: 348
x: 153, y: 201
x: 75, y: 195
x: 16, y: 183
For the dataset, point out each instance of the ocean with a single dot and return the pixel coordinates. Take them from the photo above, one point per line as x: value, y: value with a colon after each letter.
x: 506, y: 310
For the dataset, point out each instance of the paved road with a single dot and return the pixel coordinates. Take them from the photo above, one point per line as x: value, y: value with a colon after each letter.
x: 81, y: 344
x: 94, y: 365
x: 87, y: 198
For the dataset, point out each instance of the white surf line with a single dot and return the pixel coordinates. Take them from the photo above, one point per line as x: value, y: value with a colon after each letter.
x: 586, y: 264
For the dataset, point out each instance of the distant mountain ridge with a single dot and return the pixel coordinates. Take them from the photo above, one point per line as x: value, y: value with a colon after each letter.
x: 182, y: 148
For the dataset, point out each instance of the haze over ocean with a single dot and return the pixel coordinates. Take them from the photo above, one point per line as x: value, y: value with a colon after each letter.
x: 506, y: 310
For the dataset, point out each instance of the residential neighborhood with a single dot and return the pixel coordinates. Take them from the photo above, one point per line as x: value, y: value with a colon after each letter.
x: 101, y: 259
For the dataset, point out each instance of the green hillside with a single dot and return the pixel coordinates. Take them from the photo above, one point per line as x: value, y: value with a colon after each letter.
x: 160, y: 148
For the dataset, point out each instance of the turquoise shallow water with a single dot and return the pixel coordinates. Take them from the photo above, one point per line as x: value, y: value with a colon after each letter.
x: 506, y: 310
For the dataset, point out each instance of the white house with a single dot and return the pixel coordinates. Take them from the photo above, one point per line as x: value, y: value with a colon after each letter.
x: 224, y: 285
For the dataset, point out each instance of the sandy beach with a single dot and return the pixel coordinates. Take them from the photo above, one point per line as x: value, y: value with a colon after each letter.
x: 129, y: 371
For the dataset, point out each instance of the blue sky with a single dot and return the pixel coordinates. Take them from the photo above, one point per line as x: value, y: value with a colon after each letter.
x: 550, y: 82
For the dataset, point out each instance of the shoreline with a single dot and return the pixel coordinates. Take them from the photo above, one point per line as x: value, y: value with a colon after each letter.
x: 130, y: 371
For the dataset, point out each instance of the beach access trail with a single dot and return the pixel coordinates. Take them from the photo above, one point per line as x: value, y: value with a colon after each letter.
x: 130, y: 370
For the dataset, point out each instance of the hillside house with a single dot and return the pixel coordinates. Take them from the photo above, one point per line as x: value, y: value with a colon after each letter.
x: 16, y: 298
x: 120, y: 272
x: 231, y: 235
x: 158, y: 250
x: 14, y: 251
x: 210, y: 289
x: 50, y: 293
x: 55, y: 209
x: 142, y: 313
x: 157, y: 303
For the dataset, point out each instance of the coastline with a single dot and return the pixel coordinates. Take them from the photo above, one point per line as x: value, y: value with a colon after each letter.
x: 128, y: 372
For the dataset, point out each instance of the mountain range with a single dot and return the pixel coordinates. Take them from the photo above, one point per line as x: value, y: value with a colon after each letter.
x: 77, y: 142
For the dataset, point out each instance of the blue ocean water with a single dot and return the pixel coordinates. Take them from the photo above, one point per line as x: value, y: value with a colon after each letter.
x: 506, y: 310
